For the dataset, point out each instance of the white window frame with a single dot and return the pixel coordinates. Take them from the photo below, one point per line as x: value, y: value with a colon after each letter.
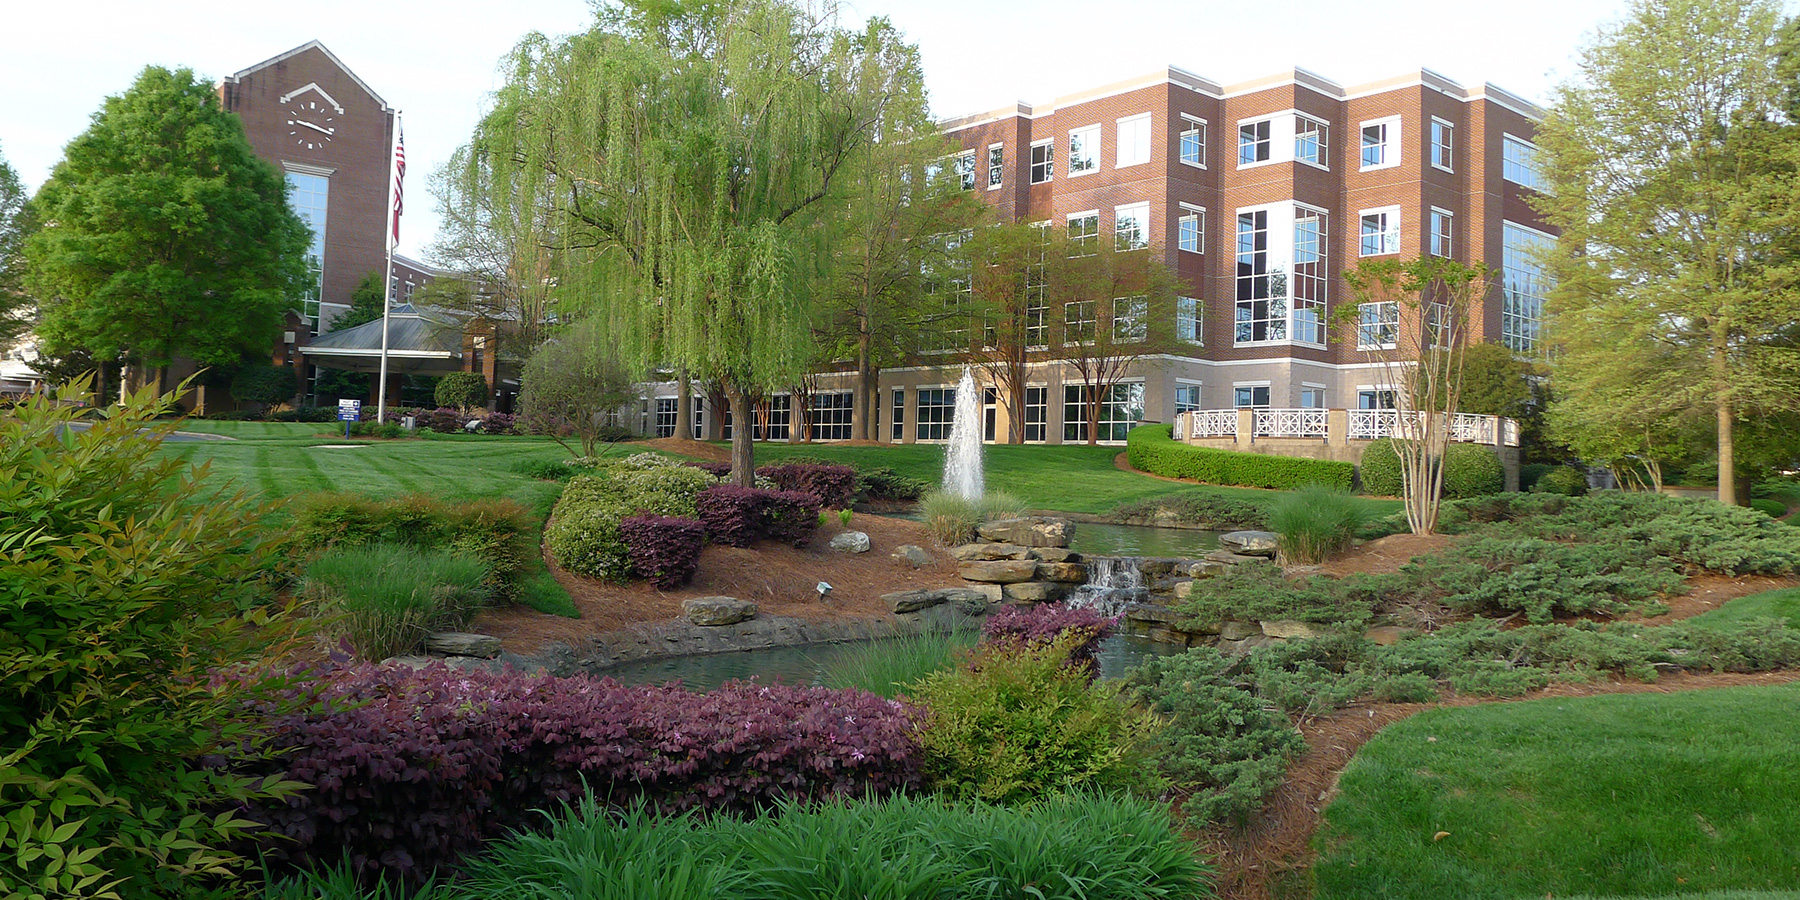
x: 1324, y: 132
x: 1191, y: 125
x: 963, y: 164
x: 1090, y: 154
x: 1306, y: 386
x: 1198, y: 402
x: 1043, y: 423
x: 1440, y: 242
x: 1138, y: 212
x: 996, y: 169
x: 938, y: 426
x: 1090, y: 322
x: 1192, y: 312
x: 1088, y: 242
x: 1443, y: 154
x: 1133, y: 313
x: 1390, y: 142
x: 1390, y: 237
x: 1376, y: 390
x: 1529, y: 163
x: 1364, y: 327
x: 1048, y: 145
x: 1129, y: 125
x: 1252, y: 386
x: 1268, y: 143
x: 1188, y: 213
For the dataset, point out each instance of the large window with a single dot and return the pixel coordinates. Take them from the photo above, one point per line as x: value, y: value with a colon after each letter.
x: 1443, y: 143
x: 1189, y: 320
x: 1381, y: 144
x: 1442, y: 228
x: 1078, y: 322
x: 1281, y: 282
x: 830, y: 414
x: 1312, y: 142
x: 1377, y: 325
x: 310, y: 195
x: 947, y: 283
x: 1043, y: 162
x: 1312, y: 397
x: 996, y: 160
x: 1134, y: 141
x: 1128, y: 324
x: 1253, y: 142
x: 665, y: 416
x: 899, y: 432
x: 1187, y: 397
x: 1121, y: 407
x: 1519, y: 163
x: 1193, y: 142
x: 1190, y: 229
x: 1380, y: 231
x: 1084, y: 150
x: 1523, y: 285
x: 1375, y: 398
x: 1037, y: 414
x: 776, y: 414
x: 1084, y: 233
x: 937, y: 408
x: 1250, y: 395
x: 1131, y: 226
x: 964, y: 165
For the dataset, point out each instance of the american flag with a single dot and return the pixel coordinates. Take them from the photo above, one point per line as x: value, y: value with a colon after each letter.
x: 399, y: 180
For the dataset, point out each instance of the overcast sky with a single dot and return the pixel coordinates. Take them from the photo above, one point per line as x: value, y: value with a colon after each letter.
x: 436, y: 61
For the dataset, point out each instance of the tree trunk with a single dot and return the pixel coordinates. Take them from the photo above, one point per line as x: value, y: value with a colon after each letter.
x: 684, y: 405
x: 1016, y: 433
x: 1728, y: 493
x: 743, y: 453
x: 862, y: 405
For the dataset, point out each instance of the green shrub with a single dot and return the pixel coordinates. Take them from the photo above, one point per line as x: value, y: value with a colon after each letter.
x: 339, y: 882
x: 583, y: 533
x: 1197, y: 509
x: 1470, y: 470
x: 1775, y: 509
x: 1022, y: 725
x: 547, y: 469
x: 883, y: 483
x: 999, y: 505
x: 951, y: 518
x: 1529, y: 473
x: 1380, y: 469
x: 260, y: 382
x: 1314, y: 522
x: 1500, y: 574
x: 124, y: 579
x: 462, y: 390
x: 1702, y: 534
x: 1227, y: 746
x: 1257, y: 593
x: 1565, y: 480
x: 384, y: 598
x: 498, y: 531
x: 1153, y: 449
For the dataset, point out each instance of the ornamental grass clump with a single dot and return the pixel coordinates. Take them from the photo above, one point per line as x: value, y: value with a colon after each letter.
x: 1315, y: 522
x: 886, y: 667
x: 951, y: 518
x: 383, y: 599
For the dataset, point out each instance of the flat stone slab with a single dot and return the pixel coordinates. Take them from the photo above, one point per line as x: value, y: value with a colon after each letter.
x: 1233, y: 630
x: 851, y: 542
x: 1232, y: 559
x: 985, y: 550
x: 1056, y: 554
x: 912, y: 601
x: 913, y: 555
x: 1289, y: 629
x: 1065, y: 572
x: 1031, y: 531
x: 462, y: 643
x: 717, y: 611
x: 999, y: 571
x: 1250, y: 543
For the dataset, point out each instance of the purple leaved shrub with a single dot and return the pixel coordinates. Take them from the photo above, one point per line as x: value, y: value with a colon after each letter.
x: 411, y: 770
x: 715, y: 469
x: 664, y: 549
x: 834, y: 485
x: 498, y: 423
x: 740, y: 516
x: 1017, y: 627
x: 790, y: 517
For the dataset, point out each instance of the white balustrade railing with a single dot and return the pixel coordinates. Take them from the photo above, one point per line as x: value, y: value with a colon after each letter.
x: 1295, y: 423
x: 1212, y: 423
x: 1509, y: 432
x: 1469, y: 428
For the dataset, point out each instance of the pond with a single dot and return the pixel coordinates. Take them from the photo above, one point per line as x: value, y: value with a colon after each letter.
x: 809, y: 664
x: 1096, y: 539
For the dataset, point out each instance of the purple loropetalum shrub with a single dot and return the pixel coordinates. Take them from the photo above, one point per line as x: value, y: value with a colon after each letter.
x: 414, y: 769
x: 715, y: 469
x: 664, y: 549
x: 1039, y: 625
x: 498, y: 423
x: 732, y: 513
x: 790, y: 517
x: 834, y: 485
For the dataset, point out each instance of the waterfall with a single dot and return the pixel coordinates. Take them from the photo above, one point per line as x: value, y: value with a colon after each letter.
x: 962, y: 455
x: 1113, y: 583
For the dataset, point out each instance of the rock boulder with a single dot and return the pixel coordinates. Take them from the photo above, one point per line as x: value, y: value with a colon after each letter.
x: 717, y: 610
x: 983, y: 551
x: 912, y: 601
x: 999, y: 571
x: 913, y: 555
x: 1250, y: 543
x: 1031, y: 531
x: 462, y: 643
x: 851, y: 542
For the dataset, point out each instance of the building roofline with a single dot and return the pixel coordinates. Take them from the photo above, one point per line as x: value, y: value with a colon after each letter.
x: 1296, y: 77
x: 239, y: 75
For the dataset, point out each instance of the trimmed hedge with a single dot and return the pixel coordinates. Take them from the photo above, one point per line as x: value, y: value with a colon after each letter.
x: 412, y: 770
x: 462, y: 390
x: 583, y: 534
x: 1153, y: 449
x: 1470, y: 470
x: 664, y: 549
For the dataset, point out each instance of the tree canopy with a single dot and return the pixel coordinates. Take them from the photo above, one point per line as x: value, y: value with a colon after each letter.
x: 163, y: 234
x: 15, y: 224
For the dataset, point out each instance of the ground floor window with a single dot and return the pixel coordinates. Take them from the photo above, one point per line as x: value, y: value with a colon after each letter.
x: 1252, y: 395
x: 990, y: 414
x: 665, y: 416
x: 1187, y: 398
x: 936, y: 410
x: 1120, y: 408
x: 830, y: 414
x: 899, y: 415
x: 1037, y: 414
x: 776, y: 414
x: 1374, y: 398
x: 1312, y: 398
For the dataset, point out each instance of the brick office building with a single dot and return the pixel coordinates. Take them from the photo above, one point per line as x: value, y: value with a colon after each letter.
x: 1258, y: 195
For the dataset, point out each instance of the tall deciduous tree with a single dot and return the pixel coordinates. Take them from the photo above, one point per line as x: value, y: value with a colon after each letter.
x: 501, y: 245
x: 15, y: 224
x: 689, y: 159
x: 1118, y: 310
x: 163, y: 234
x: 1674, y: 183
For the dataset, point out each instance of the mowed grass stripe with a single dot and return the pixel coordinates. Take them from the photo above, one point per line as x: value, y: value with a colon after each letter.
x: 264, y: 470
x: 309, y: 460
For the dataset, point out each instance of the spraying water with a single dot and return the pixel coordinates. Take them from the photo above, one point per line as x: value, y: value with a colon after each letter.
x: 962, y: 456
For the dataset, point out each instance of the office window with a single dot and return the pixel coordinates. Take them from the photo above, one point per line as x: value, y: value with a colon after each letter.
x: 1308, y: 283
x: 1084, y: 150
x: 1187, y: 398
x: 830, y: 415
x: 310, y: 197
x: 1084, y: 233
x: 1312, y: 398
x: 1519, y: 163
x: 1311, y: 141
x: 1120, y: 409
x: 1261, y: 316
x: 1134, y: 141
x: 1441, y: 226
x: 1377, y: 325
x: 1375, y: 398
x: 1037, y: 414
x: 1381, y: 143
x: 1193, y: 143
x: 1251, y: 395
x: 996, y: 164
x: 665, y: 416
x: 778, y: 413
x: 1380, y: 232
x: 1189, y: 322
x: 937, y: 408
x: 1078, y: 322
x: 1443, y: 143
x: 899, y: 426
x: 1128, y: 324
x: 1523, y: 285
x: 1281, y: 283
x: 1043, y: 162
x: 1190, y: 229
x: 1131, y: 226
x: 1037, y: 306
x: 1253, y: 142
x: 964, y: 165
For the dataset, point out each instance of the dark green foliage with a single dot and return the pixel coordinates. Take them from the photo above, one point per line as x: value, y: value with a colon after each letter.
x: 1220, y: 741
x: 498, y: 532
x: 546, y: 469
x: 1498, y: 575
x: 124, y: 578
x: 1379, y: 472
x: 1565, y: 480
x: 365, y: 305
x: 16, y: 223
x: 1153, y: 449
x: 1471, y: 470
x: 1256, y: 593
x: 583, y: 533
x: 462, y: 390
x: 1195, y: 509
x: 1315, y: 522
x: 883, y: 483
x: 1772, y: 508
x: 1529, y: 474
x: 269, y: 385
x: 383, y: 599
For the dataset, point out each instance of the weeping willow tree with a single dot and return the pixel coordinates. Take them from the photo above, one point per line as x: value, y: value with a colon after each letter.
x: 689, y: 160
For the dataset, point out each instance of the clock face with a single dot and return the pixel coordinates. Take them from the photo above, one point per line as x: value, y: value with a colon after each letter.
x: 312, y: 124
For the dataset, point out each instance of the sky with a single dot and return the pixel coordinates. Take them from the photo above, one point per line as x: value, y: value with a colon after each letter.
x: 437, y: 60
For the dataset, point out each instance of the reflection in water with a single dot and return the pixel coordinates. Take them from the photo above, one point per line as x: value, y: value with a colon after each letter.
x: 1142, y: 540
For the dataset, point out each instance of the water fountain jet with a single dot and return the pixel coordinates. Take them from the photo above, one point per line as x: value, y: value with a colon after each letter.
x: 962, y: 455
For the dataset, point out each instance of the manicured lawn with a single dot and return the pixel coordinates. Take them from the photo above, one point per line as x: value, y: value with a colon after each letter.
x: 258, y: 431
x: 1779, y: 604
x: 1644, y: 795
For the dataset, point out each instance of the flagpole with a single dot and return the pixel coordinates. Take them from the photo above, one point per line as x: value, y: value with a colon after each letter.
x: 387, y: 283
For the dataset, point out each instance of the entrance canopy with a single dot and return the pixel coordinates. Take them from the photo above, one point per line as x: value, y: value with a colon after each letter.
x: 421, y: 341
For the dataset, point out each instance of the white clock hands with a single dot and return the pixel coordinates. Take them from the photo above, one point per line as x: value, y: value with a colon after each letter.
x: 316, y: 128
